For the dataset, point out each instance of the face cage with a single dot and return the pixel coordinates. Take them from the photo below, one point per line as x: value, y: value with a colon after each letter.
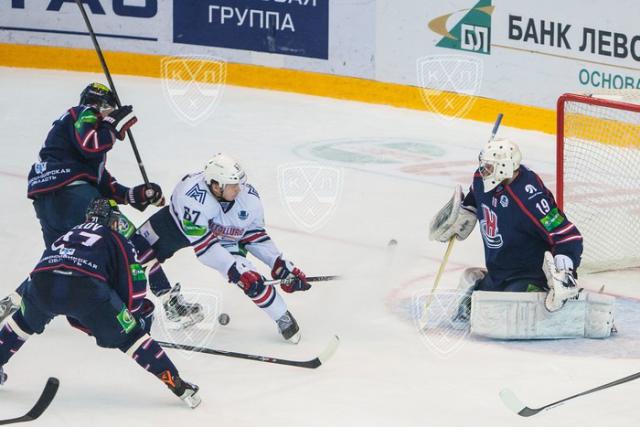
x: 105, y: 108
x: 486, y: 169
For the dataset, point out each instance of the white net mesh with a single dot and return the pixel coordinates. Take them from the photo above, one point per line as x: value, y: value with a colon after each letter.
x: 601, y: 178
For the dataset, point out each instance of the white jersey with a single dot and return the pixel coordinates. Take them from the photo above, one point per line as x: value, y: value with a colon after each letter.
x: 219, y: 230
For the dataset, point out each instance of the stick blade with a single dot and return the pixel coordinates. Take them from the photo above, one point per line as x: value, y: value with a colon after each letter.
x: 514, y: 404
x: 49, y: 392
x: 329, y: 351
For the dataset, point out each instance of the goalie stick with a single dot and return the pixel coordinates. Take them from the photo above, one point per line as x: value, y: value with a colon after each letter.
x: 314, y: 363
x: 107, y: 74
x: 49, y: 392
x: 512, y: 402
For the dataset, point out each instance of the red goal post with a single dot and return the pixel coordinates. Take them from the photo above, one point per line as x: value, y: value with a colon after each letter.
x: 598, y: 174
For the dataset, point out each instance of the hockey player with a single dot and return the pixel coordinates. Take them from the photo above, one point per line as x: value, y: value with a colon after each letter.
x: 529, y: 243
x: 91, y: 274
x: 221, y: 217
x: 71, y: 172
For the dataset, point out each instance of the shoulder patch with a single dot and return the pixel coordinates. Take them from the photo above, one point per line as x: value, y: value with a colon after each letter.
x: 196, y: 193
x: 191, y: 229
x: 552, y: 220
x: 137, y: 272
x: 251, y: 189
x: 86, y: 116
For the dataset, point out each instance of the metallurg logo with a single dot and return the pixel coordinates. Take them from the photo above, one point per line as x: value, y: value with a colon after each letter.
x: 471, y: 33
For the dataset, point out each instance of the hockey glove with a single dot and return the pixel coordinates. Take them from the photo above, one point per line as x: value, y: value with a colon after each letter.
x: 120, y: 120
x: 561, y: 281
x: 293, y: 279
x: 251, y: 282
x: 144, y: 195
x: 453, y: 220
x: 145, y: 315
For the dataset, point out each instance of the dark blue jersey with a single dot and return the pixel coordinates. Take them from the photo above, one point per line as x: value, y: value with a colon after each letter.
x: 92, y: 250
x: 76, y: 150
x: 519, y: 222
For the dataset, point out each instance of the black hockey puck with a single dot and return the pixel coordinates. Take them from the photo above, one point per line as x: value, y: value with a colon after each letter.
x: 224, y: 319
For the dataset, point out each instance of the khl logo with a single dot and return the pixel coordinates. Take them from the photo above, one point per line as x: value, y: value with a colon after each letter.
x: 471, y: 33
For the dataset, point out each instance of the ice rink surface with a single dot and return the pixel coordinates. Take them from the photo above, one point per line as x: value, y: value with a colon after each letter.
x: 395, y: 169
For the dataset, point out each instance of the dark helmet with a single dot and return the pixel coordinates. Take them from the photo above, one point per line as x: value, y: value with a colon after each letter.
x: 99, y: 95
x: 103, y: 211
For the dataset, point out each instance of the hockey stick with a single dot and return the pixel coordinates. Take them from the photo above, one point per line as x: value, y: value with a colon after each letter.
x: 514, y: 404
x: 424, y: 319
x: 49, y: 392
x: 107, y: 74
x: 309, y: 279
x: 425, y: 313
x: 310, y: 364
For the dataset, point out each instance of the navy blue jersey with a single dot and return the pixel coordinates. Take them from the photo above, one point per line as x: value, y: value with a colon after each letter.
x: 519, y: 222
x: 76, y: 150
x: 92, y: 250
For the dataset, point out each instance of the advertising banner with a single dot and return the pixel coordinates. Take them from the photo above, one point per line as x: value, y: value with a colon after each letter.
x: 289, y: 27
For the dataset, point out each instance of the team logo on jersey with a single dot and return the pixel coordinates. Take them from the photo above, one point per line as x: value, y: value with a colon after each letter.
x: 198, y: 194
x: 310, y: 192
x: 67, y: 251
x: 243, y: 215
x: 40, y: 167
x: 251, y: 189
x: 193, y: 85
x: 489, y: 228
x: 504, y: 201
x: 532, y: 190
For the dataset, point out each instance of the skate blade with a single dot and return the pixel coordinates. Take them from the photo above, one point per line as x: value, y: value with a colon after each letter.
x: 295, y: 338
x: 192, y: 401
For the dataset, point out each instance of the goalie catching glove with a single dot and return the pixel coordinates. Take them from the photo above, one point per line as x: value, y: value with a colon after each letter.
x: 453, y: 220
x: 561, y: 281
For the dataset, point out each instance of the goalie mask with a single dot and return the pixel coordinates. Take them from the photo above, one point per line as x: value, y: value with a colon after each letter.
x: 499, y: 160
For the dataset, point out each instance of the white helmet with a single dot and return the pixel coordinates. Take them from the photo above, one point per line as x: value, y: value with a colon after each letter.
x: 499, y: 160
x: 224, y: 170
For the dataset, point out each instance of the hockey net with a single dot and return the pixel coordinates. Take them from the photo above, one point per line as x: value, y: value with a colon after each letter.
x: 598, y: 171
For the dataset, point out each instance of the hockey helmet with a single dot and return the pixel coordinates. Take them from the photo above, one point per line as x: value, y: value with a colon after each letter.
x: 99, y: 95
x: 499, y: 160
x: 105, y: 212
x: 224, y: 170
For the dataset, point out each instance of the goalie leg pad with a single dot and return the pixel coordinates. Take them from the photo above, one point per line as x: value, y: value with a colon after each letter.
x: 470, y: 278
x: 468, y: 283
x: 516, y: 315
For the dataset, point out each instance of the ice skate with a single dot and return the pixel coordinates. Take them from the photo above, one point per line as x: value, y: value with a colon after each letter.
x: 289, y: 328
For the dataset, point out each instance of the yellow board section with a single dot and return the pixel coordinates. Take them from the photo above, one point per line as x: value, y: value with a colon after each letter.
x: 620, y: 133
x: 327, y: 85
